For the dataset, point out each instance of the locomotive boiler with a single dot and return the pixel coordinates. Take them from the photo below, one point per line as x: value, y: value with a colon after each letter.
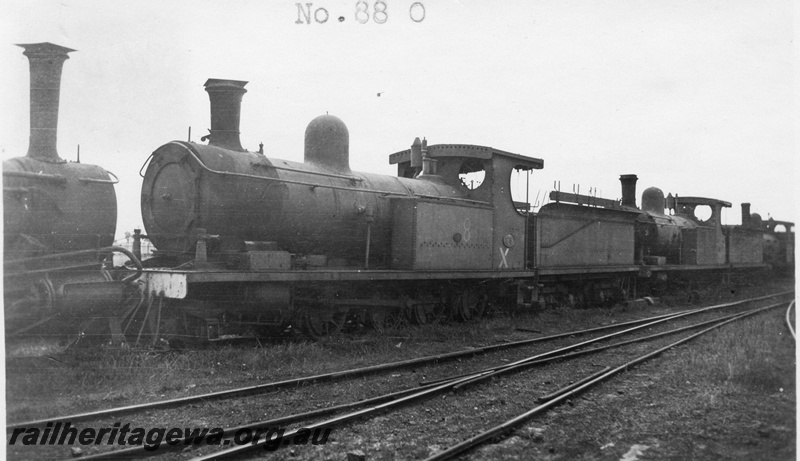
x: 59, y: 217
x: 230, y: 199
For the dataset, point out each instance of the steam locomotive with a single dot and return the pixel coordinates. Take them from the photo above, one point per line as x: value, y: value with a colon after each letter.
x: 55, y: 240
x: 252, y: 241
x: 248, y: 244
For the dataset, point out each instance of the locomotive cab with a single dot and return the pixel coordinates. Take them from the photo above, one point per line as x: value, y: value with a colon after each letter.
x: 705, y: 243
x: 482, y: 230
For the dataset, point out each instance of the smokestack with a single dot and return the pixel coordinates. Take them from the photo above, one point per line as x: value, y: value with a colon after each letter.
x: 226, y: 108
x: 46, y: 62
x: 628, y: 182
x: 745, y: 214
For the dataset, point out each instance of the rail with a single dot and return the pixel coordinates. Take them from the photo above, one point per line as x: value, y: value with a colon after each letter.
x: 358, y: 372
x: 326, y: 377
x: 97, y: 251
x: 285, y: 181
x: 518, y: 420
x: 29, y: 175
x: 58, y: 178
x: 436, y: 388
x: 102, y: 181
x: 313, y: 173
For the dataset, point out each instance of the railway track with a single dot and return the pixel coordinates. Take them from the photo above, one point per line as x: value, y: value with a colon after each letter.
x: 382, y: 368
x: 329, y: 377
x: 585, y: 384
x: 395, y: 399
x: 789, y: 322
x: 457, y: 383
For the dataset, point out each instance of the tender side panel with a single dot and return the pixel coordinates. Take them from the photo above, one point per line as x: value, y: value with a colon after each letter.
x: 571, y: 235
x: 745, y: 246
x: 701, y: 246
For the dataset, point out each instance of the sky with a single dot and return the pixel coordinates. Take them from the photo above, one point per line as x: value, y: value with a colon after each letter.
x: 695, y: 97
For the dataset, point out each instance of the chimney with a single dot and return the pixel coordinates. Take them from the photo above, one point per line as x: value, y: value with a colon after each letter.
x: 46, y: 62
x: 745, y: 214
x: 226, y: 108
x: 628, y: 182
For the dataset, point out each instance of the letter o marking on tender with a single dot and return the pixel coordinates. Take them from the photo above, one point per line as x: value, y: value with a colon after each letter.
x: 508, y: 241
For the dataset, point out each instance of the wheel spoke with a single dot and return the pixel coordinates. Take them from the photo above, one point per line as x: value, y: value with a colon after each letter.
x: 468, y: 305
x: 318, y: 326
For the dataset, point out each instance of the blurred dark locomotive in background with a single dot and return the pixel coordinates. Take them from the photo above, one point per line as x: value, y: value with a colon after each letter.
x: 778, y: 238
x: 59, y: 217
x: 52, y: 205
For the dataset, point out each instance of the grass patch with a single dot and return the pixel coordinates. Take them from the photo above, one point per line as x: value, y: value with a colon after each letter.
x: 742, y: 354
x: 100, y: 377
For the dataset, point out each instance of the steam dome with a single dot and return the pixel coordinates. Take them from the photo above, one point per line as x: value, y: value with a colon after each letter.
x: 653, y: 200
x: 328, y: 143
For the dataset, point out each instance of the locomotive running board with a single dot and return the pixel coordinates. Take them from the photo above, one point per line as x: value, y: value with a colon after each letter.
x: 174, y: 284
